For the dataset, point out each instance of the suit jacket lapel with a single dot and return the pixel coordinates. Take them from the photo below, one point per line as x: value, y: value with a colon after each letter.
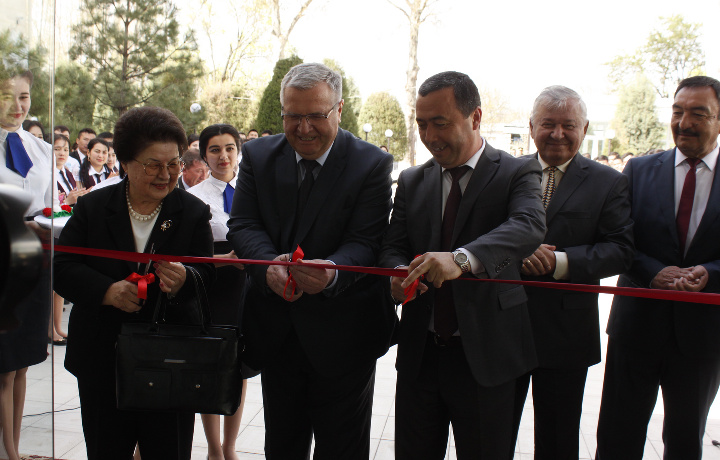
x: 118, y: 223
x: 432, y: 183
x: 712, y: 210
x: 327, y: 177
x: 287, y: 192
x: 485, y: 169
x: 574, y: 175
x: 665, y: 174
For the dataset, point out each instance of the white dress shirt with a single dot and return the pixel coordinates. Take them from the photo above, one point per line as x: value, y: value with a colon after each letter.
x: 704, y: 173
x: 211, y: 192
x: 39, y: 181
x: 562, y: 270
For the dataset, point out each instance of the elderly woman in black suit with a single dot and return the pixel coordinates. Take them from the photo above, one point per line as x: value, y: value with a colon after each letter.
x: 143, y: 213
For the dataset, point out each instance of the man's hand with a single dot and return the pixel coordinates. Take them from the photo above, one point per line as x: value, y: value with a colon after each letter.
x: 694, y: 282
x: 398, y: 292
x: 665, y: 279
x: 276, y: 277
x: 172, y: 276
x: 229, y: 255
x: 437, y: 267
x: 541, y: 262
x: 123, y: 295
x: 312, y: 280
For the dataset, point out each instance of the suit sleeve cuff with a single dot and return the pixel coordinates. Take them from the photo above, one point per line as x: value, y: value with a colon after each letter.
x: 562, y: 268
x: 335, y: 278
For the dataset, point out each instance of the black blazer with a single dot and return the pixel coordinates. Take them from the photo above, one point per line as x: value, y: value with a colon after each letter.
x: 344, y: 220
x: 588, y: 218
x: 100, y: 220
x: 649, y: 323
x: 500, y: 220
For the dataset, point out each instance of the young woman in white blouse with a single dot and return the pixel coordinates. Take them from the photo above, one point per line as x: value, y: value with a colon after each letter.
x: 94, y: 168
x: 219, y: 145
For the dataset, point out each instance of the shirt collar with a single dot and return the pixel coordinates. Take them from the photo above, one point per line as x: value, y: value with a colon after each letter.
x: 710, y: 159
x: 563, y: 167
x: 320, y: 160
x: 472, y: 162
x: 220, y: 184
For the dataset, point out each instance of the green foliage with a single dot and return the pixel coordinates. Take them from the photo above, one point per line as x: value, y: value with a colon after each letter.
x: 382, y: 110
x: 269, y: 111
x: 351, y: 96
x: 636, y: 122
x: 74, y: 104
x: 235, y: 104
x: 131, y: 47
x: 177, y: 91
x: 672, y: 52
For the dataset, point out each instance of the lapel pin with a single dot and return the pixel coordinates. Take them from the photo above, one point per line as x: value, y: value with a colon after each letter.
x: 166, y: 225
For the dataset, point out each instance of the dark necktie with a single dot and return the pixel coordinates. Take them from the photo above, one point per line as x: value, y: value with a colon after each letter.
x: 97, y: 178
x: 305, y: 188
x: 686, y: 204
x: 550, y: 186
x: 16, y: 157
x: 445, y: 317
x: 228, y: 194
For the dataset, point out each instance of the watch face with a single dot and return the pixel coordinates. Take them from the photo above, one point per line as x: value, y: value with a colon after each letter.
x: 461, y: 258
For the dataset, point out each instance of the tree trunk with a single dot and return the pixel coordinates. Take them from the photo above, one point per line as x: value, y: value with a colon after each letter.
x: 414, y: 16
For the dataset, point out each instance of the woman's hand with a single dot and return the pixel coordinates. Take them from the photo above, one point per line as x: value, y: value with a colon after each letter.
x: 229, y: 255
x: 123, y: 295
x: 72, y: 196
x: 171, y: 275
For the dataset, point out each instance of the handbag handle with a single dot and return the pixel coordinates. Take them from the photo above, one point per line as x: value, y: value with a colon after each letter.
x: 201, y: 301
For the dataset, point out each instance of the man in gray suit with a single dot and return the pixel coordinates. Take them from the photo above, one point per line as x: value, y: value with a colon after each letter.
x: 471, y: 210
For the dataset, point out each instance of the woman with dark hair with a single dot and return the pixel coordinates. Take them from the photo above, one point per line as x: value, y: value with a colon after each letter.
x: 143, y: 213
x: 219, y: 149
x: 94, y: 168
x: 35, y: 128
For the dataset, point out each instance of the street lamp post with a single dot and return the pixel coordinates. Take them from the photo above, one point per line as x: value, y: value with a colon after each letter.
x: 367, y: 127
x: 388, y: 135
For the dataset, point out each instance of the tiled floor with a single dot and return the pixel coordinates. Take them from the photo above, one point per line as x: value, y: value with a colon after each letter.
x: 69, y: 440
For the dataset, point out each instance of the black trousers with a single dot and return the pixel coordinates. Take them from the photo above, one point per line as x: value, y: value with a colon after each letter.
x: 557, y: 407
x: 445, y: 392
x: 301, y: 403
x: 632, y: 378
x: 111, y: 434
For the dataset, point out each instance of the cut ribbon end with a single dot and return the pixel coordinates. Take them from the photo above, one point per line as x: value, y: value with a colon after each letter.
x: 142, y: 283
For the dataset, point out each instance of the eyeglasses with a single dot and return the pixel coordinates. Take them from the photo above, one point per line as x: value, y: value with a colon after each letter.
x: 312, y: 118
x: 153, y: 168
x: 695, y: 117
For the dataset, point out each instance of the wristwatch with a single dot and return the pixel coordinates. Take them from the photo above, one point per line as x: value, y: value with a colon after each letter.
x: 461, y: 259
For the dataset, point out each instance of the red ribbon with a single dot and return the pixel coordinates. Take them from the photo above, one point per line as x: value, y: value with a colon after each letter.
x: 142, y: 283
x: 412, y: 288
x: 660, y: 294
x: 297, y: 255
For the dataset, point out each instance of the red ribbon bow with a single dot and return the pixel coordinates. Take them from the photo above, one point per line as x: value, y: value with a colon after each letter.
x: 298, y: 254
x: 142, y: 283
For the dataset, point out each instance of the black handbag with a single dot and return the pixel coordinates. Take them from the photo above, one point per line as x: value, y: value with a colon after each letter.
x: 184, y: 368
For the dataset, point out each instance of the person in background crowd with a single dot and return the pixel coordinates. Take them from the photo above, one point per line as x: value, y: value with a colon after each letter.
x: 194, y: 141
x: 62, y: 129
x: 384, y: 148
x: 94, y: 168
x: 243, y: 136
x: 267, y: 132
x: 219, y: 149
x: 588, y: 238
x: 26, y: 162
x: 627, y: 157
x: 602, y: 159
x: 461, y: 345
x: 193, y: 171
x: 672, y: 345
x: 252, y: 134
x: 130, y: 216
x: 106, y: 136
x: 84, y: 137
x: 35, y: 128
x: 112, y: 159
x: 322, y: 189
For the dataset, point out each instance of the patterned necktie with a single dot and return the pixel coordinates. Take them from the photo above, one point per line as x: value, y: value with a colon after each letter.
x: 550, y: 186
x: 16, y: 157
x: 445, y: 316
x: 228, y: 194
x: 686, y: 204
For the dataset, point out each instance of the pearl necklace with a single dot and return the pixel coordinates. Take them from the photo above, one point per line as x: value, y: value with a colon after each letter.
x: 136, y: 215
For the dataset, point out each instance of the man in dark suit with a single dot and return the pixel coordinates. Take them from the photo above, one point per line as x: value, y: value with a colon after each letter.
x: 84, y: 136
x: 317, y: 343
x: 589, y: 237
x: 675, y: 199
x: 470, y: 210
